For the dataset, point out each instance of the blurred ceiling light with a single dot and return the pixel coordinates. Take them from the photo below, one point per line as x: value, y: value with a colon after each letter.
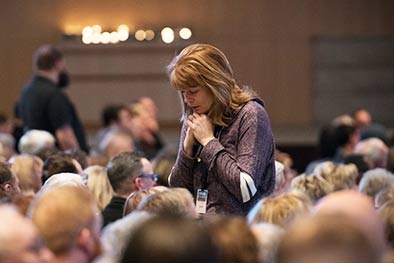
x: 123, y: 35
x: 96, y: 38
x: 87, y: 38
x: 87, y: 30
x: 167, y: 35
x: 185, y: 33
x: 114, y: 37
x: 149, y: 34
x: 96, y: 29
x: 105, y: 37
x: 123, y: 32
x: 123, y: 27
x: 140, y: 35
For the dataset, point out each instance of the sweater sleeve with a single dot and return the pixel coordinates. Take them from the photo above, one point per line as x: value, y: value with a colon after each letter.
x: 251, y: 168
x: 181, y: 174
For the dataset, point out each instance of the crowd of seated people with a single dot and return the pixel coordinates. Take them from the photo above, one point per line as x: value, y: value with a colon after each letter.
x: 71, y: 206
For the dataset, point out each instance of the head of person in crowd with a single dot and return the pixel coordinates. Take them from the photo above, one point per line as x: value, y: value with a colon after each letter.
x: 362, y: 118
x: 129, y: 172
x: 7, y: 141
x: 48, y: 62
x: 59, y: 163
x: 281, y: 210
x: 115, y: 115
x: 142, y: 115
x: 135, y: 198
x: 176, y: 202
x: 361, y: 211
x: 115, y: 236
x: 63, y: 179
x: 340, y: 176
x: 283, y: 177
x: 67, y: 218
x: 163, y: 163
x: 284, y: 158
x: 234, y: 239
x: 327, y: 142
x: 312, y: 185
x: 346, y: 137
x: 282, y: 184
x: 116, y: 142
x: 45, y: 153
x: 170, y: 239
x: 268, y: 237
x: 385, y: 195
x: 150, y: 106
x: 80, y: 156
x: 34, y: 141
x: 145, y: 130
x: 374, y: 181
x: 28, y: 169
x: 375, y: 152
x: 202, y: 66
x: 6, y: 124
x: 386, y: 213
x: 343, y: 119
x: 19, y: 238
x: 9, y: 183
x: 99, y: 185
x: 360, y: 162
x: 326, y: 238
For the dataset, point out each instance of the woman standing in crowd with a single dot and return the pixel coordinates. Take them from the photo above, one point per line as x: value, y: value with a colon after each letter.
x: 226, y: 153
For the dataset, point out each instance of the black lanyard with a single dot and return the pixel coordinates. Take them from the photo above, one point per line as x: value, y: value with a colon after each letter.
x: 197, y: 148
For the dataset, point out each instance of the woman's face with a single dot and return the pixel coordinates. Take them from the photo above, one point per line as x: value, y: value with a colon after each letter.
x: 199, y: 99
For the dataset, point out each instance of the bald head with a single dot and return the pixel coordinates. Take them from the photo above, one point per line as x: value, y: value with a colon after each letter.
x: 360, y: 209
x: 19, y: 239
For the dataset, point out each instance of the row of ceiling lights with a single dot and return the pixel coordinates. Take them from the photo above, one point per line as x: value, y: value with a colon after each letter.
x: 95, y: 35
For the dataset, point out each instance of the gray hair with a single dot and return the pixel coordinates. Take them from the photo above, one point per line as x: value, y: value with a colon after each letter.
x: 35, y: 140
x: 375, y: 180
x: 115, y: 236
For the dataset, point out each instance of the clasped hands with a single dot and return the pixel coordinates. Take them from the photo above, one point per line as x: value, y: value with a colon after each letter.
x: 200, y: 128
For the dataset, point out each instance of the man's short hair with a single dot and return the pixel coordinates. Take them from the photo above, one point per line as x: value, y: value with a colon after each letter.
x: 46, y: 57
x: 58, y: 163
x: 123, y: 166
x: 110, y: 113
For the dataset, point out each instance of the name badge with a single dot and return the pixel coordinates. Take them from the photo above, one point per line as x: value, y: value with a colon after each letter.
x: 201, y: 201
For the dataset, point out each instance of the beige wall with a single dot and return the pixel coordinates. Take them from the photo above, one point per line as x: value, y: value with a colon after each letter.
x: 267, y: 41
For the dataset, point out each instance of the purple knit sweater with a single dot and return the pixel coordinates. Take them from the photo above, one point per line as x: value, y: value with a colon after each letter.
x: 239, y: 163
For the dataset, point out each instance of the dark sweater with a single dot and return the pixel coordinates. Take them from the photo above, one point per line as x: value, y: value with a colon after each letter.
x: 239, y: 163
x: 114, y: 210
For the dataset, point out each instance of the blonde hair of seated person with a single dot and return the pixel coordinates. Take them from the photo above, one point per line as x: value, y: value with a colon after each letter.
x: 99, y: 185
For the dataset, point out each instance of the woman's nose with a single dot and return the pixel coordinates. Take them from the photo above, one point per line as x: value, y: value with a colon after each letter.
x: 187, y: 98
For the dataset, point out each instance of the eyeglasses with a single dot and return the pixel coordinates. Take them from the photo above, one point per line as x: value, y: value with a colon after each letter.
x: 154, y: 177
